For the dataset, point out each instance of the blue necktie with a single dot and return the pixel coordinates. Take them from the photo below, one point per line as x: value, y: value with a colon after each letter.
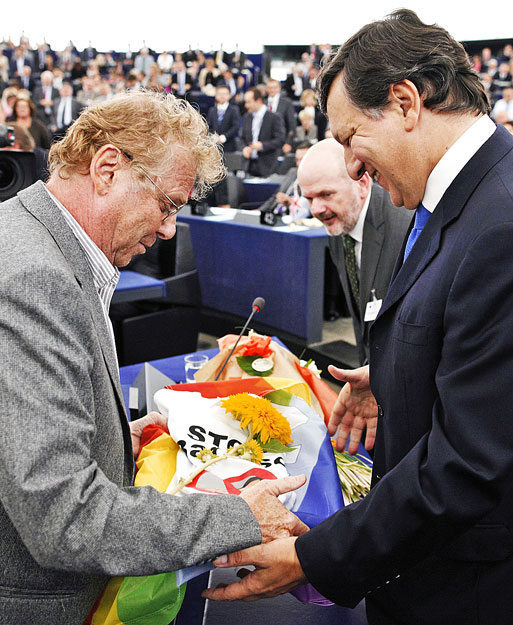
x: 421, y: 217
x: 220, y: 116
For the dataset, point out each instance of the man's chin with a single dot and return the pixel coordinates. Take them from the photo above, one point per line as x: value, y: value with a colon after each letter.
x: 124, y: 259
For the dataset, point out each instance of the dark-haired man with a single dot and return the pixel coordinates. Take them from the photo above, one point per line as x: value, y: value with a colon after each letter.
x: 263, y: 134
x: 432, y: 543
x: 224, y: 119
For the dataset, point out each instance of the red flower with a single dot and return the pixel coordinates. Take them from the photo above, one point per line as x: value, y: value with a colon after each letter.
x: 257, y: 346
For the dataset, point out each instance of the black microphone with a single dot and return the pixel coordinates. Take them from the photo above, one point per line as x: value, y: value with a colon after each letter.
x: 257, y: 306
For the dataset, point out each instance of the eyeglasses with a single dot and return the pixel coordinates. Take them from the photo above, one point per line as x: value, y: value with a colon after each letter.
x: 165, y: 208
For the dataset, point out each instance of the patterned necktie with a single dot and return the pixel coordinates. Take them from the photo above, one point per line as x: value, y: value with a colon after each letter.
x: 220, y: 116
x: 352, y: 273
x: 421, y: 217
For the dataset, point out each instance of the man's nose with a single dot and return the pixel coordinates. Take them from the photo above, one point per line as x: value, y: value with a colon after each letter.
x: 317, y: 206
x: 355, y: 167
x: 167, y: 228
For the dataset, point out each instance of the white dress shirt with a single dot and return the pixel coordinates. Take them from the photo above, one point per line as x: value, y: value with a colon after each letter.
x: 357, y: 233
x: 455, y: 159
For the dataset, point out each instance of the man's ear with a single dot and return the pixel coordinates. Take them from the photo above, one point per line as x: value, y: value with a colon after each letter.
x: 104, y: 165
x: 364, y: 186
x: 405, y: 95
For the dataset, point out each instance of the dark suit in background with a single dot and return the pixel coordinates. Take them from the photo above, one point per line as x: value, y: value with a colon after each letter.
x: 286, y: 110
x: 383, y: 234
x: 272, y: 135
x: 45, y: 114
x: 229, y: 126
x: 60, y: 119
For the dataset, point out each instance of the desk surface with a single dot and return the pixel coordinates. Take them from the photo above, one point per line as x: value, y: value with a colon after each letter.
x: 134, y: 286
x: 239, y: 259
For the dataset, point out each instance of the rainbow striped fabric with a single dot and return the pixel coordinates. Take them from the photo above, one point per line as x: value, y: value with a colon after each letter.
x: 156, y: 599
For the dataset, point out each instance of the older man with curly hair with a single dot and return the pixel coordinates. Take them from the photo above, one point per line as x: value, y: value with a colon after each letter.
x: 69, y: 517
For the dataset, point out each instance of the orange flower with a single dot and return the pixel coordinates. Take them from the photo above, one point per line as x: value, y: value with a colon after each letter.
x: 258, y: 414
x: 257, y: 346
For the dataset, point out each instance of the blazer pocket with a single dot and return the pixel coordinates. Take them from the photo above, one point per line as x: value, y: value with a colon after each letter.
x: 481, y: 543
x: 411, y: 333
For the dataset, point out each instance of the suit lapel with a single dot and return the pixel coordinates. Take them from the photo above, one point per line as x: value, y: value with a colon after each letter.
x: 37, y: 201
x: 373, y: 235
x: 447, y: 210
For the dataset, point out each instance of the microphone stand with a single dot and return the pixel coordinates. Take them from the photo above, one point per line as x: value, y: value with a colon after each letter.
x: 255, y: 309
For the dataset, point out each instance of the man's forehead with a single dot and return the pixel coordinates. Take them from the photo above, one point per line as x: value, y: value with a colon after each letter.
x: 319, y: 177
x: 339, y: 108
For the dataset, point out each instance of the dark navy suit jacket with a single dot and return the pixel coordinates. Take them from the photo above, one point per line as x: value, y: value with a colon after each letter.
x: 272, y: 136
x: 433, y: 541
x: 229, y: 126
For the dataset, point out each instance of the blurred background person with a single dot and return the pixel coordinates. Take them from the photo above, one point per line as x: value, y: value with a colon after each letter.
x: 24, y: 113
x: 65, y: 110
x: 263, y: 135
x: 280, y: 104
x: 308, y: 102
x: 209, y: 76
x: 44, y: 98
x: 24, y: 141
x: 307, y: 130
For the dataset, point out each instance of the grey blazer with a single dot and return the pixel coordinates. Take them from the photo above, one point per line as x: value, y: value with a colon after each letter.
x: 69, y: 518
x: 383, y: 234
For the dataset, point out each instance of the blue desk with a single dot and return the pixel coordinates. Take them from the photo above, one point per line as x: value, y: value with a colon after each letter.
x: 134, y: 286
x: 239, y: 261
x: 259, y: 190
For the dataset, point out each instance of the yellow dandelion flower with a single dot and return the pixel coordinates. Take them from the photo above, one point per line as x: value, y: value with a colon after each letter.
x: 260, y: 416
x: 205, y: 455
x: 252, y: 451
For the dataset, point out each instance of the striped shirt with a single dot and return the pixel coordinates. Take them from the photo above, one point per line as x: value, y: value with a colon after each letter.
x: 105, y: 275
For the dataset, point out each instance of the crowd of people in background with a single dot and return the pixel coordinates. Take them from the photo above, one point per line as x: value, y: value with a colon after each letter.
x: 43, y: 91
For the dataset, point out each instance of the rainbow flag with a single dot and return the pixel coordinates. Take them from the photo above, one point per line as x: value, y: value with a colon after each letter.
x: 156, y: 599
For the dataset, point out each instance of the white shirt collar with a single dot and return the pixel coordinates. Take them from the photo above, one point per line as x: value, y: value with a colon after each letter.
x: 260, y: 113
x: 223, y: 107
x: 455, y: 159
x: 357, y: 231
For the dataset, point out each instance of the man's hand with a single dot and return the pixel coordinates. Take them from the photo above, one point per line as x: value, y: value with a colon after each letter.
x: 354, y: 409
x: 246, y: 151
x: 278, y: 571
x: 283, y: 198
x: 257, y: 145
x: 137, y: 426
x: 274, y: 519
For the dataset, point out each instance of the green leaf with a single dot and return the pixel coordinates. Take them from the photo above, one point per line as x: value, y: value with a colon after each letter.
x: 275, y: 446
x: 282, y: 398
x: 245, y: 363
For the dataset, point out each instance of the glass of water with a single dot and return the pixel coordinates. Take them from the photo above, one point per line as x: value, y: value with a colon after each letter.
x: 193, y: 363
